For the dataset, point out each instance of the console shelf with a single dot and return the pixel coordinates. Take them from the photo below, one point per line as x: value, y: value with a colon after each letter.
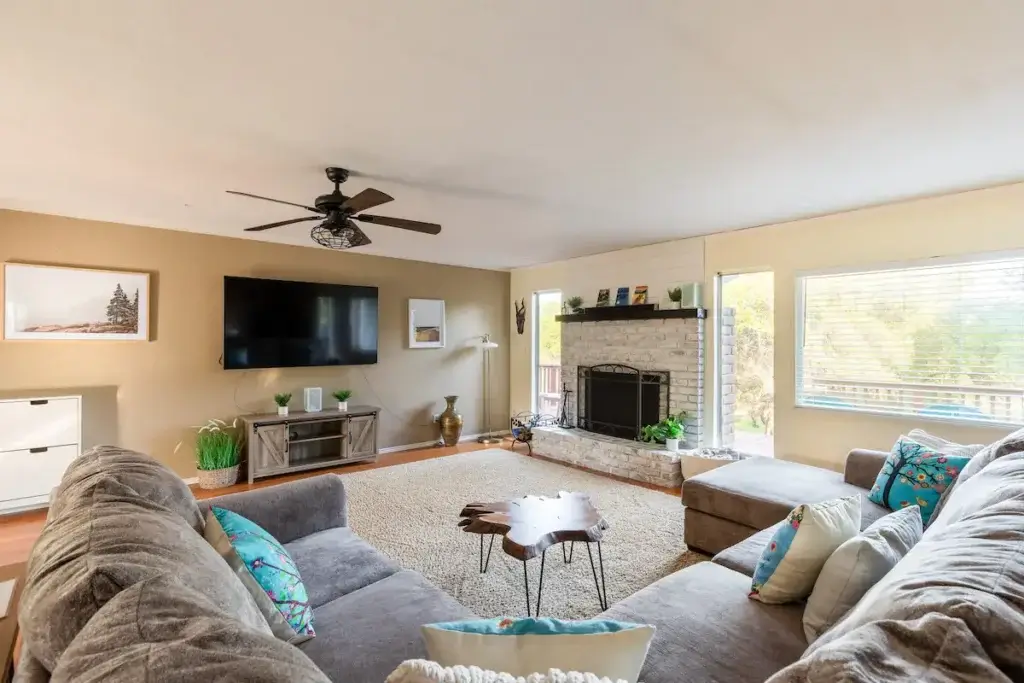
x: 300, y: 441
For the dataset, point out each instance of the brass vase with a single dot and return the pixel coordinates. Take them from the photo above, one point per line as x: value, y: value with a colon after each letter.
x: 451, y: 422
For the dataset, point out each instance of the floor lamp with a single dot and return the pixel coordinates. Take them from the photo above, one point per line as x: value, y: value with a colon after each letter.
x: 486, y: 344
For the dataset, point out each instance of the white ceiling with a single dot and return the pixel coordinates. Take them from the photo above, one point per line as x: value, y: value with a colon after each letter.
x: 532, y: 130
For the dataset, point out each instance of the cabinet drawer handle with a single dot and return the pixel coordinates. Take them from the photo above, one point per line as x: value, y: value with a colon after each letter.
x: 38, y: 402
x: 41, y: 449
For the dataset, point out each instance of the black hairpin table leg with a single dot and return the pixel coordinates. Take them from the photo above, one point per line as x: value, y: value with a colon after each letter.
x: 602, y: 591
x: 485, y: 564
x: 540, y: 585
x: 568, y: 558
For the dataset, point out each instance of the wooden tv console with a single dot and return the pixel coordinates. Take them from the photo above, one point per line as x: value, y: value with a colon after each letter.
x: 300, y: 441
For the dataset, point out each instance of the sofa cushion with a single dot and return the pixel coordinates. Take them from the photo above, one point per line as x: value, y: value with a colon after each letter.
x: 365, y: 635
x: 707, y: 629
x: 915, y: 474
x: 744, y: 556
x: 144, y: 475
x: 160, y: 630
x: 799, y: 549
x: 857, y: 565
x: 759, y: 492
x: 105, y: 543
x: 336, y: 562
x: 969, y: 565
x: 267, y: 571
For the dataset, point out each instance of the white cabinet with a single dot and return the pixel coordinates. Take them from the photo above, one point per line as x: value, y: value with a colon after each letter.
x: 39, y: 438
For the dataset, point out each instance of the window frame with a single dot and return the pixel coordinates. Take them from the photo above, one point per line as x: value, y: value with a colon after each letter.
x: 799, y: 311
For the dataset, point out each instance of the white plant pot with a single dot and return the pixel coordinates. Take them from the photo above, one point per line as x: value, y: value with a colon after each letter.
x: 282, y: 410
x: 672, y: 444
x: 675, y: 305
x: 342, y: 405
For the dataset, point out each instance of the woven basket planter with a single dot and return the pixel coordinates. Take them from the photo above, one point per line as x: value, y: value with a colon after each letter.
x: 217, y: 479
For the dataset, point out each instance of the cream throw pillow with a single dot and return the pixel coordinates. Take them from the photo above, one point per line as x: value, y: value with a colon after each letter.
x: 791, y: 561
x: 857, y: 565
x: 423, y: 671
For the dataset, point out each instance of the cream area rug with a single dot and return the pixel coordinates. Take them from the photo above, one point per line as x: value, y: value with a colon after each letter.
x: 411, y: 513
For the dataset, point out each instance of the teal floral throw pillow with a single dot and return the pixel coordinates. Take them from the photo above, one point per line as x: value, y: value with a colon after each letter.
x: 267, y: 570
x: 913, y: 474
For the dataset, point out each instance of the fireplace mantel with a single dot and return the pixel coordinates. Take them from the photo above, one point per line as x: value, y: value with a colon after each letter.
x: 642, y: 312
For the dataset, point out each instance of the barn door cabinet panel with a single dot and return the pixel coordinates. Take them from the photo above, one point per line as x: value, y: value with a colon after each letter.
x: 279, y: 444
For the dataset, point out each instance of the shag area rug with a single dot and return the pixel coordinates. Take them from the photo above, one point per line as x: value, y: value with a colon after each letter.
x: 411, y: 513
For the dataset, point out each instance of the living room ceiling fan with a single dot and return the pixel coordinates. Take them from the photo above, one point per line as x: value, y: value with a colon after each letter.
x: 337, y: 211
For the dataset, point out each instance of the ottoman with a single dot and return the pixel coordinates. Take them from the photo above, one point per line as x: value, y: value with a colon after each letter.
x: 727, y: 505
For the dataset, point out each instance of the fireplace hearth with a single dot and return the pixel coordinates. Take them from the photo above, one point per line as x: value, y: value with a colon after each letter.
x: 618, y: 400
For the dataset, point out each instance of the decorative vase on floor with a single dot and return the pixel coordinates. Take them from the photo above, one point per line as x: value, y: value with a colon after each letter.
x: 217, y: 479
x: 451, y: 422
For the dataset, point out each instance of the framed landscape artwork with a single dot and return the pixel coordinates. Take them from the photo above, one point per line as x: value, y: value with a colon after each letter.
x: 426, y: 324
x: 51, y: 302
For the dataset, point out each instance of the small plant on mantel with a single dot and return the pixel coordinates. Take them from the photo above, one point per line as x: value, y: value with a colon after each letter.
x: 675, y: 295
x: 343, y: 396
x: 218, y: 453
x: 282, y: 401
x: 575, y: 303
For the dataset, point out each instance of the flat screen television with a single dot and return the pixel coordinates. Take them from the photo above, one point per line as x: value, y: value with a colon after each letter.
x: 282, y: 324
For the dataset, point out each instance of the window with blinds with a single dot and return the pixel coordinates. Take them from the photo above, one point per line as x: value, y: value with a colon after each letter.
x: 937, y: 341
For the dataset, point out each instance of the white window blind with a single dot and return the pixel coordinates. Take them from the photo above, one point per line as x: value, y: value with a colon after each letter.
x: 938, y: 341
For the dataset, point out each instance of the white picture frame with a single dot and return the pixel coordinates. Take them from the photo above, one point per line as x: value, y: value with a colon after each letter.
x: 426, y: 324
x: 82, y: 304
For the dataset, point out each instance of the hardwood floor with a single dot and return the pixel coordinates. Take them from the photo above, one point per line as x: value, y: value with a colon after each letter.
x: 18, y: 532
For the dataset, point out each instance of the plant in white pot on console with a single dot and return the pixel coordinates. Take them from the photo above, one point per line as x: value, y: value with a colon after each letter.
x: 343, y: 396
x: 218, y: 453
x: 282, y: 401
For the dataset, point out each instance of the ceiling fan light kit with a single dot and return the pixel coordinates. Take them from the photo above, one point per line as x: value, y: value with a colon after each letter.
x: 337, y: 211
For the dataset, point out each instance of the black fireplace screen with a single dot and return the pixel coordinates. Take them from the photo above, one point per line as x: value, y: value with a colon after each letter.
x: 618, y: 400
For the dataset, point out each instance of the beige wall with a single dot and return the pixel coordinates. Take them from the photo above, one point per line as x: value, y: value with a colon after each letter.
x: 658, y: 266
x: 144, y: 395
x: 962, y: 224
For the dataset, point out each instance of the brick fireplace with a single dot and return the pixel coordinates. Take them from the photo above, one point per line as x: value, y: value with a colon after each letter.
x: 666, y: 356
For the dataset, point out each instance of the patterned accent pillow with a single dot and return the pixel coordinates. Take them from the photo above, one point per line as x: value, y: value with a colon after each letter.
x: 792, y: 560
x: 914, y: 474
x: 267, y: 570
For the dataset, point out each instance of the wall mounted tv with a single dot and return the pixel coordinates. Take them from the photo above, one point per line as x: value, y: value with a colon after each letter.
x: 282, y: 324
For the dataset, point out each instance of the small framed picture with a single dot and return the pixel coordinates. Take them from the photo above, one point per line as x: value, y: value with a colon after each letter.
x: 622, y: 296
x: 603, y: 297
x: 640, y: 295
x: 426, y: 324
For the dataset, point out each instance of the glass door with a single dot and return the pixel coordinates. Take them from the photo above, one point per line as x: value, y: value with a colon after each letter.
x: 547, y: 353
x: 746, y: 362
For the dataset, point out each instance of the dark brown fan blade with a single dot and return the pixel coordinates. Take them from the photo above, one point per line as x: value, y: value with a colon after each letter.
x: 268, y: 226
x: 367, y: 199
x: 403, y: 223
x: 276, y: 201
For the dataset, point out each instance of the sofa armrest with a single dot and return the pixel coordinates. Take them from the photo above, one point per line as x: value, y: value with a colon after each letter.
x: 863, y: 466
x: 293, y: 510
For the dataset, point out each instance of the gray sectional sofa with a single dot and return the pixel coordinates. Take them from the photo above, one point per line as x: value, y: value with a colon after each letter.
x: 121, y: 586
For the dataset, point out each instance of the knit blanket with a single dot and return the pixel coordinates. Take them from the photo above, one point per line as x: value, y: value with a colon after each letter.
x: 423, y: 671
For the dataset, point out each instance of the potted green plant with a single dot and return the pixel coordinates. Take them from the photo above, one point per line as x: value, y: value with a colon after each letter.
x: 282, y: 401
x: 218, y: 453
x: 669, y: 431
x: 342, y: 395
x: 675, y: 297
x: 575, y: 303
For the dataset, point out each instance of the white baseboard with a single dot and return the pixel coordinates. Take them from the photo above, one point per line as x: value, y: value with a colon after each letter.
x: 428, y: 444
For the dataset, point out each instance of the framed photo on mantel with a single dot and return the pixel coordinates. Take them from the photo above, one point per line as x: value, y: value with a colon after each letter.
x: 59, y: 303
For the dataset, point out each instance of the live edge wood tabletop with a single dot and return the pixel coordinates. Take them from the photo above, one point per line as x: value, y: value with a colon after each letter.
x: 9, y: 624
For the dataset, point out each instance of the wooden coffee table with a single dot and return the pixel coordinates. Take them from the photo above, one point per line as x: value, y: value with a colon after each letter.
x: 530, y: 525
